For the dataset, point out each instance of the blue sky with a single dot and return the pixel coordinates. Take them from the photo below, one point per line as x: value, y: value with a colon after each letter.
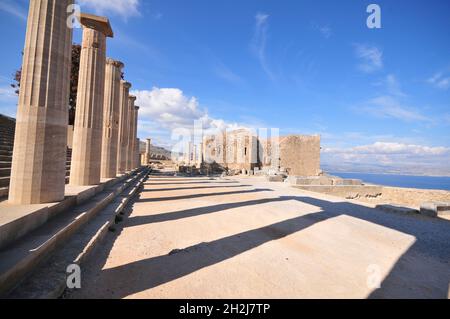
x: 310, y: 67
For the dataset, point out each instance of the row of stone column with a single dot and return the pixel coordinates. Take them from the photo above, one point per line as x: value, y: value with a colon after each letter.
x: 105, y: 140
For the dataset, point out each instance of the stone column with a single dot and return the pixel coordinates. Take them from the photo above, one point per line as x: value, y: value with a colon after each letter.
x: 148, y: 148
x: 39, y: 157
x: 130, y: 142
x: 135, y: 138
x: 137, y: 157
x: 123, y: 127
x: 87, y: 137
x: 111, y: 111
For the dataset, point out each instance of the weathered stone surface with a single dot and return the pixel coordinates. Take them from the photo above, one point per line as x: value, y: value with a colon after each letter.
x: 87, y: 139
x: 435, y: 209
x: 275, y: 178
x: 130, y: 134
x: 38, y: 166
x: 123, y: 127
x: 111, y: 112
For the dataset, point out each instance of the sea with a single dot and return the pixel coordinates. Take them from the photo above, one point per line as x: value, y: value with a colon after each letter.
x: 408, y: 181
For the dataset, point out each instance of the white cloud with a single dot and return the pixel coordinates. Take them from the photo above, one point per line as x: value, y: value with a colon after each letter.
x: 371, y: 58
x: 7, y: 93
x: 387, y: 106
x: 259, y: 42
x: 390, y: 157
x: 440, y: 81
x: 8, y: 101
x: 163, y: 110
x: 124, y: 8
x: 11, y: 7
x: 393, y: 86
x: 390, y: 148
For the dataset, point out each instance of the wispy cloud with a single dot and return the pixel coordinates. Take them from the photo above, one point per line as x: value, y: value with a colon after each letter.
x: 371, y: 58
x: 440, y: 80
x: 326, y: 31
x: 14, y: 9
x: 387, y: 106
x: 225, y: 73
x: 8, y: 100
x: 124, y: 8
x: 393, y: 86
x: 259, y: 42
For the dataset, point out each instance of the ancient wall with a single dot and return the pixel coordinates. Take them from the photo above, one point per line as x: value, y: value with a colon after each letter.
x: 412, y: 197
x: 300, y: 155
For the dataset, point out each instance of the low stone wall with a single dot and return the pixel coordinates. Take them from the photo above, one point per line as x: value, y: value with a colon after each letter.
x: 412, y: 197
x: 360, y: 192
x: 374, y: 194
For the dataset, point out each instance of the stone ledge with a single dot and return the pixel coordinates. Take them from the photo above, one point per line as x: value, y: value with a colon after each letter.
x: 48, y: 280
x: 345, y: 191
x: 18, y: 220
x: 435, y: 209
x: 28, y: 252
x: 396, y: 209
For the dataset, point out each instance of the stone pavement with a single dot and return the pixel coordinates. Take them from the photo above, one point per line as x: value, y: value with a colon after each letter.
x: 249, y: 238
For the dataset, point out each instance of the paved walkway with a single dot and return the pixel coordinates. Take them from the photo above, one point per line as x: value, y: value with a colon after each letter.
x: 247, y: 238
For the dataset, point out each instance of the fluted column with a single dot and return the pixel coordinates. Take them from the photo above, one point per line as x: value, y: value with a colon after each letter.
x: 148, y: 146
x: 39, y: 157
x: 137, y: 156
x: 130, y: 142
x: 111, y: 112
x: 135, y: 162
x: 87, y: 135
x: 123, y: 127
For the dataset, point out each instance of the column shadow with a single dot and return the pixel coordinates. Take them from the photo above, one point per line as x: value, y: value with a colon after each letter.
x: 414, y: 275
x: 427, y: 261
x: 149, y: 273
x: 192, y: 196
x: 191, y: 188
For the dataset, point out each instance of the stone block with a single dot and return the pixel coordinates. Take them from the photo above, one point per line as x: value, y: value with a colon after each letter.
x: 275, y: 178
x: 435, y: 209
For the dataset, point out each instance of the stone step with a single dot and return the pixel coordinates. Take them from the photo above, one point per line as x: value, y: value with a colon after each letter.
x: 5, y: 172
x: 5, y: 158
x: 435, y: 209
x: 6, y: 147
x: 5, y: 136
x: 7, y: 141
x: 5, y: 152
x: 4, y: 181
x: 5, y: 164
x: 23, y: 256
x: 48, y: 280
x: 4, y: 192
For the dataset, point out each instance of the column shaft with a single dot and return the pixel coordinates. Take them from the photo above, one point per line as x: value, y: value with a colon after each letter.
x: 39, y: 157
x: 111, y: 112
x: 135, y: 160
x: 130, y: 142
x: 87, y: 139
x: 123, y: 128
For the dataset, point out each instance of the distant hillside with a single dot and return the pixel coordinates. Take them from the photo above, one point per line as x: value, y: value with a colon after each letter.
x: 157, y: 150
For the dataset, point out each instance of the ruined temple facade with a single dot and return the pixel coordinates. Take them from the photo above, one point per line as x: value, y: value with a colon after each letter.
x: 244, y: 150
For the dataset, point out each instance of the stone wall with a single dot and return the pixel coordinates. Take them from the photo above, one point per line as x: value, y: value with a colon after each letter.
x: 300, y: 155
x: 297, y: 155
x: 412, y: 197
